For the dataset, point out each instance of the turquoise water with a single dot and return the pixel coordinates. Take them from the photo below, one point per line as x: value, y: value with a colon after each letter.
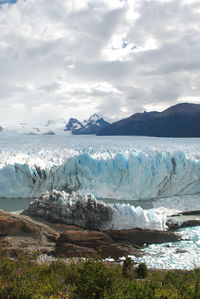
x: 15, y: 205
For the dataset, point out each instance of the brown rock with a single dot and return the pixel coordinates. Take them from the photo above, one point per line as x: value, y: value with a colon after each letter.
x: 91, y: 243
x: 71, y: 250
x: 91, y: 239
x: 140, y: 237
x: 189, y: 223
x: 12, y: 225
x: 22, y: 233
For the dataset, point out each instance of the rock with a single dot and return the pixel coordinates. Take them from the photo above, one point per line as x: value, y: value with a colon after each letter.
x: 91, y: 243
x: 189, y: 223
x: 71, y: 250
x: 91, y: 239
x: 21, y: 232
x: 177, y: 224
x: 181, y: 251
x: 197, y: 212
x: 140, y: 237
x: 11, y: 224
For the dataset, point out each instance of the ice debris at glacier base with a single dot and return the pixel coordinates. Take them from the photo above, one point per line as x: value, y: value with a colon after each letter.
x: 184, y: 254
x: 87, y: 212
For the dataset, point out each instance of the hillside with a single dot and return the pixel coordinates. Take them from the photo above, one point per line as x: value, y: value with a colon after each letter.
x: 181, y: 120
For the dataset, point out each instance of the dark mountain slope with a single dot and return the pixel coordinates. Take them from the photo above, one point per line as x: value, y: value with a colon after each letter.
x: 181, y: 120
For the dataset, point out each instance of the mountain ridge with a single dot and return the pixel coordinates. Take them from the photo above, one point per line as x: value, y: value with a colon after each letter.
x: 181, y: 120
x: 88, y: 127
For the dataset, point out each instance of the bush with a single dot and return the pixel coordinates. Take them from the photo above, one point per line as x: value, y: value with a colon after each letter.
x: 127, y: 264
x: 141, y: 270
x: 92, y: 279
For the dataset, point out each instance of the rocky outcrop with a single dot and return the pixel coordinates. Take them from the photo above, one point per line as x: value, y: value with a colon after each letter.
x: 89, y: 244
x: 140, y: 237
x: 181, y: 224
x: 21, y: 232
x: 14, y: 225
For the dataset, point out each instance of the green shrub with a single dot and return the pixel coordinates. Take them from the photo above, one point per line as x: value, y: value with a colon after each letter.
x: 141, y: 270
x: 92, y: 278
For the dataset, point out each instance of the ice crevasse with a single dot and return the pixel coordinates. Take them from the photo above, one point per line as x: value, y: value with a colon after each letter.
x: 119, y: 175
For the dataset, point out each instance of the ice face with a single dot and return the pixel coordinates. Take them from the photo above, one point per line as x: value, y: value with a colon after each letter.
x: 129, y: 168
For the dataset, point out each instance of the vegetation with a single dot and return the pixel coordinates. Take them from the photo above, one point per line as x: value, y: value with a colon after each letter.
x: 141, y: 270
x: 24, y: 278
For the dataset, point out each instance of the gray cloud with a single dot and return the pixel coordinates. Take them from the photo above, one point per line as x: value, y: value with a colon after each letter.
x: 66, y: 57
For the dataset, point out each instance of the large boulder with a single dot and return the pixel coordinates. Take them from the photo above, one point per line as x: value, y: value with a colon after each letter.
x: 16, y: 225
x: 21, y: 232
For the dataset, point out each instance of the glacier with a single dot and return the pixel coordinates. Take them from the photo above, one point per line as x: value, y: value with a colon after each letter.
x: 87, y: 212
x: 125, y: 169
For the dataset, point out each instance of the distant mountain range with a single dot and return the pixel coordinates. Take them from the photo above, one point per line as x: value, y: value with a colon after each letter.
x: 181, y: 120
x: 91, y: 126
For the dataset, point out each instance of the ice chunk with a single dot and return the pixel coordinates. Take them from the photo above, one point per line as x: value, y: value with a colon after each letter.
x: 85, y: 211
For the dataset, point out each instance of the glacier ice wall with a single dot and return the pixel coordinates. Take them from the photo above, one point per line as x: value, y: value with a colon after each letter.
x: 124, y: 174
x: 87, y: 212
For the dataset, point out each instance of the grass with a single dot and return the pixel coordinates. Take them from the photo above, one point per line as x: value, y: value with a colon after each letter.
x: 24, y: 278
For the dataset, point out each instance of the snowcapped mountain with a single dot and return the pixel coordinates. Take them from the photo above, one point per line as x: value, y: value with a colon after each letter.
x: 91, y: 126
x: 51, y: 128
x: 58, y: 127
x: 73, y: 124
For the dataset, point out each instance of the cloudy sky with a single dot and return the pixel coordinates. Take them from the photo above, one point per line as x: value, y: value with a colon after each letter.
x: 71, y: 58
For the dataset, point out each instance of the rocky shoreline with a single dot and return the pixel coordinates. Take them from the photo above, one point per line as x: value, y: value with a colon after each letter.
x: 77, y: 225
x: 20, y: 232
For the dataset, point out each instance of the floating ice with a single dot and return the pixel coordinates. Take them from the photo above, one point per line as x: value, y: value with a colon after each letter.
x: 176, y: 255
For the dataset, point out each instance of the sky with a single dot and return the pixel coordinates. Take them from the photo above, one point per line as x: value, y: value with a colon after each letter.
x: 72, y: 58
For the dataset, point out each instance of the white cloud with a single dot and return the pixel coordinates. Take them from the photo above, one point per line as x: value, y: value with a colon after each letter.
x: 66, y: 58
